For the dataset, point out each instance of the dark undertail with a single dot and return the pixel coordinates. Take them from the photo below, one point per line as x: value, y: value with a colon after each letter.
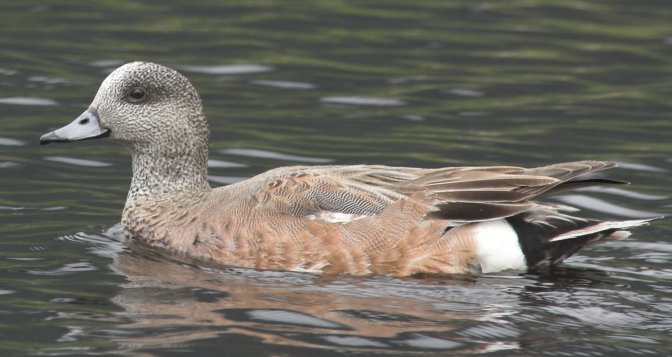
x: 535, y: 239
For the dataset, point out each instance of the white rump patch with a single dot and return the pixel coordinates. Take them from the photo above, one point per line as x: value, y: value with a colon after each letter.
x: 603, y: 226
x: 497, y: 246
x: 336, y: 217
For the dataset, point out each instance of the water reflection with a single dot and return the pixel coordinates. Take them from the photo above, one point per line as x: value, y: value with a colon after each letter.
x: 170, y: 302
x: 294, y: 309
x: 412, y: 84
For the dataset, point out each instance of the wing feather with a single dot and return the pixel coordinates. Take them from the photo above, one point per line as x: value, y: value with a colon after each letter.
x: 457, y: 195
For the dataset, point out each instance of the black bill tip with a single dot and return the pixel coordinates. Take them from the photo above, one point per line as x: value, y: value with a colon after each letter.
x: 51, y: 137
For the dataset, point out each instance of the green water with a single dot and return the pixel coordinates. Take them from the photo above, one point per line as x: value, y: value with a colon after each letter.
x: 431, y: 83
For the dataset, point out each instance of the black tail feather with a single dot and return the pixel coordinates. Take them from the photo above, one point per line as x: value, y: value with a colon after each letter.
x: 535, y: 239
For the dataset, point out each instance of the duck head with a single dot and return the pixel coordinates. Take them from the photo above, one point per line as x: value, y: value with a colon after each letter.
x: 139, y: 104
x: 156, y: 113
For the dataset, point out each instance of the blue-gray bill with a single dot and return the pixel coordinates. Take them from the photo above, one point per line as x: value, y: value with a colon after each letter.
x: 86, y: 126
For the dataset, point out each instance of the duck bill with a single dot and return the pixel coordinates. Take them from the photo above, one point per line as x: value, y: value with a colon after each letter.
x: 86, y: 126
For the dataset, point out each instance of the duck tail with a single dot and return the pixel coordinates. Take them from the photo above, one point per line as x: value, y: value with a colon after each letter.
x: 550, y: 239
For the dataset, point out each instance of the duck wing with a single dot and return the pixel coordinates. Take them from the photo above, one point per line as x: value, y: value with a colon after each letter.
x: 456, y: 195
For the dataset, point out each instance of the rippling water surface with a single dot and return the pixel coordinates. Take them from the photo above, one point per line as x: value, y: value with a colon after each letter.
x: 426, y: 83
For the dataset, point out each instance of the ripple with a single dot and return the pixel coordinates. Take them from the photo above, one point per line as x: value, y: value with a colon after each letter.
x: 646, y: 246
x: 597, y: 315
x: 224, y: 164
x: 413, y: 117
x: 8, y: 72
x: 51, y: 80
x: 107, y: 245
x: 501, y: 346
x: 472, y: 114
x: 263, y: 154
x: 227, y: 69
x: 117, y: 232
x: 283, y: 84
x: 465, y: 92
x: 78, y: 162
x: 641, y: 339
x: 33, y: 101
x: 491, y: 331
x: 226, y: 180
x: 603, y: 206
x: 11, y: 142
x: 623, y: 193
x: 54, y: 208
x: 640, y: 167
x: 428, y: 342
x: 352, y: 341
x: 8, y: 164
x: 60, y: 351
x: 291, y: 317
x: 65, y: 270
x: 653, y: 257
x: 638, y: 274
x: 10, y: 208
x: 65, y: 300
x: 106, y: 63
x: 373, y: 101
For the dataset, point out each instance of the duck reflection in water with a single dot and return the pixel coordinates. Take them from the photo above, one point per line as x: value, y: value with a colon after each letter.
x: 169, y: 302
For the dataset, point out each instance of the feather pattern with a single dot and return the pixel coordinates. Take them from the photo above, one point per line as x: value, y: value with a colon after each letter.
x: 462, y: 194
x: 358, y: 219
x: 381, y: 220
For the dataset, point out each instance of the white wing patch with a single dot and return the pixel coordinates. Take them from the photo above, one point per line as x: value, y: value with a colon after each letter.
x: 335, y: 217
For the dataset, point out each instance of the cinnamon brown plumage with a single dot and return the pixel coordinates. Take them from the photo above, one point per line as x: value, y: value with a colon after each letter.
x: 363, y: 219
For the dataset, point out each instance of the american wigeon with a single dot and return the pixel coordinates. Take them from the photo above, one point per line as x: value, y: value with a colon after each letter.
x: 361, y: 219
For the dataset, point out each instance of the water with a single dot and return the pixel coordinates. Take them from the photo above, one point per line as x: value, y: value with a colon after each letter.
x: 429, y: 84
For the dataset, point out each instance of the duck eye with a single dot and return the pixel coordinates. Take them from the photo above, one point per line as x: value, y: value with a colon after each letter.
x: 137, y: 94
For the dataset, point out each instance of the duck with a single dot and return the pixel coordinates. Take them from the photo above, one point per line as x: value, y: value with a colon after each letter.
x: 332, y: 219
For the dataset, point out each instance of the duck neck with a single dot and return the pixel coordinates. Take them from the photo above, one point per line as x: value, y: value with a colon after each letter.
x: 161, y: 170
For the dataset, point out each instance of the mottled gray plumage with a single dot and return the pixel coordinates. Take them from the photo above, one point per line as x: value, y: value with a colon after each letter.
x: 338, y: 219
x: 168, y: 155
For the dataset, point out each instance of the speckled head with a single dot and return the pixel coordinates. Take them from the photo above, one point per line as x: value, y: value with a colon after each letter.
x: 143, y: 102
x: 155, y: 112
x: 139, y: 104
